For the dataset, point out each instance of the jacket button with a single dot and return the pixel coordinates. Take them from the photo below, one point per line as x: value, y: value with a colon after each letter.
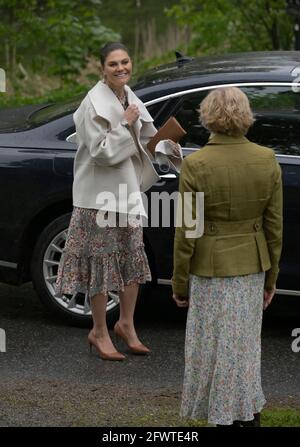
x: 212, y: 227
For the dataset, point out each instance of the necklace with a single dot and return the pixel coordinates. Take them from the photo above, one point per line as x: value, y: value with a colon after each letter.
x: 122, y: 99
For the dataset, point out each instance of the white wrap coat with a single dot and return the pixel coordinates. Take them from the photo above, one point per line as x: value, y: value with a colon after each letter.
x: 110, y: 155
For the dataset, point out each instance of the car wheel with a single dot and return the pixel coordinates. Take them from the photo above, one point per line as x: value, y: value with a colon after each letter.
x: 45, y: 260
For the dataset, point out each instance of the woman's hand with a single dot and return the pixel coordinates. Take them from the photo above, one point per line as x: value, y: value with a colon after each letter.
x: 181, y: 301
x: 175, y: 147
x: 131, y: 114
x: 268, y: 296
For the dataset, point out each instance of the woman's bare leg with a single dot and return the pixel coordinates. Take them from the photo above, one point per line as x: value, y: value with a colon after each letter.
x: 128, y: 300
x: 100, y: 331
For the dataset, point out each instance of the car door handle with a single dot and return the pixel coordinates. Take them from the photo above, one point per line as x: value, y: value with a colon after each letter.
x: 168, y: 176
x: 165, y: 177
x: 71, y: 138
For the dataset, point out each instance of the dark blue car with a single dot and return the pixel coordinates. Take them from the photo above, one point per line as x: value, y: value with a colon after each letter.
x: 36, y: 167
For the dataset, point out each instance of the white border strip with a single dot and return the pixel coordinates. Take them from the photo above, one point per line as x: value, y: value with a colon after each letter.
x: 210, y: 87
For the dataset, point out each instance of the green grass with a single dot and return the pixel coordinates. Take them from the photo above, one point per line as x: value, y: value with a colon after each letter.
x: 281, y: 417
x: 102, y: 406
x: 165, y: 415
x: 168, y: 416
x: 270, y: 417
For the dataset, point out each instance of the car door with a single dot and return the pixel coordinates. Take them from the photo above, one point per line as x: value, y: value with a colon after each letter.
x: 162, y: 196
x: 277, y: 112
x: 276, y: 109
x: 159, y: 228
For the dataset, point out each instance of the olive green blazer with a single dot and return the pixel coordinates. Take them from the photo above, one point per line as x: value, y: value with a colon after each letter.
x: 242, y: 189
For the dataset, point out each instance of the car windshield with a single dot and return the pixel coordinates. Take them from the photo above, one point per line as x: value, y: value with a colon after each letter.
x: 27, y: 117
x: 53, y: 111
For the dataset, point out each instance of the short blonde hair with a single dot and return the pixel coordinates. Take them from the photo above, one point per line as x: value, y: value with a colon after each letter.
x: 227, y: 111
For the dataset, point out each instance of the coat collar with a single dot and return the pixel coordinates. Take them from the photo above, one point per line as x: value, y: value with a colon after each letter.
x: 226, y: 139
x: 101, y: 96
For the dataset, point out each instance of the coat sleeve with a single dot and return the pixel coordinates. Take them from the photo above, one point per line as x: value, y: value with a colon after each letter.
x: 148, y: 130
x: 183, y: 246
x: 272, y: 225
x: 106, y: 146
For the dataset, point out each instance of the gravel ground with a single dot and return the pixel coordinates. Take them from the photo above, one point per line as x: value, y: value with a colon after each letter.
x: 49, y: 379
x: 56, y: 403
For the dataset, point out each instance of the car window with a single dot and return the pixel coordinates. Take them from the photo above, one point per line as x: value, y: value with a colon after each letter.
x: 277, y: 118
x: 154, y: 109
x: 188, y: 116
x: 161, y: 110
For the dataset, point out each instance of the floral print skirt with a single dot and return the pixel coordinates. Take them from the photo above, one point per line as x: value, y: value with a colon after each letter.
x: 222, y: 379
x: 99, y: 259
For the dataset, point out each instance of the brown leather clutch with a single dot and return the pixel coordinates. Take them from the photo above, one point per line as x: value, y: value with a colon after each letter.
x: 171, y: 130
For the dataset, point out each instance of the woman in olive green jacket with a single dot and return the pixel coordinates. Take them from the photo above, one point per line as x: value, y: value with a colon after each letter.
x: 228, y: 275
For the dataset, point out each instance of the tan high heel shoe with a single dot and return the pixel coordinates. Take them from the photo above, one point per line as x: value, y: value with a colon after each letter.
x: 115, y: 356
x: 136, y: 349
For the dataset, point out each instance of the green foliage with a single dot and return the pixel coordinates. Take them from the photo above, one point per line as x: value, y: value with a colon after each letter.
x: 74, y: 34
x: 144, y: 65
x: 52, y: 35
x: 235, y: 25
x: 47, y: 43
x: 131, y: 17
x: 52, y: 96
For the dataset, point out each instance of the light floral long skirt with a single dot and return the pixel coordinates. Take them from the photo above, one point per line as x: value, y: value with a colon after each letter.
x: 98, y: 260
x: 222, y: 379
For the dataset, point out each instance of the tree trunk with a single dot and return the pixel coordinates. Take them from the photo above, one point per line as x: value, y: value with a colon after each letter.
x: 275, y: 35
x: 13, y: 60
x: 10, y: 58
x: 136, y: 40
x: 7, y: 59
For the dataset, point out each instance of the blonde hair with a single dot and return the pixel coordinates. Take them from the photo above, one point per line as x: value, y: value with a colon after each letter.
x: 227, y: 111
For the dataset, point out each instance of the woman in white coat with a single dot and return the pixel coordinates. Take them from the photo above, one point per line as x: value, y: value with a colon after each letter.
x: 111, y: 164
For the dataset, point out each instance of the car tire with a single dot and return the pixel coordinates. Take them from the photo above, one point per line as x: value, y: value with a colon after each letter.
x: 44, y: 265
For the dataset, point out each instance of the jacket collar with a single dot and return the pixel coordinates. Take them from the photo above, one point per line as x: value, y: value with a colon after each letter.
x: 218, y: 138
x: 101, y: 96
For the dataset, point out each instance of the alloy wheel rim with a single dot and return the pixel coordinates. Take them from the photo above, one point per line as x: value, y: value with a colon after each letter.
x: 76, y: 303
